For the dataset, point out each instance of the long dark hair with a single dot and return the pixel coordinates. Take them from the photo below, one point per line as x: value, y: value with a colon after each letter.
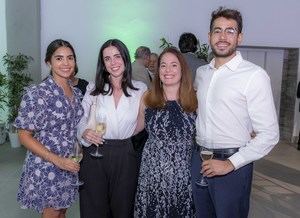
x: 102, y: 76
x: 56, y: 44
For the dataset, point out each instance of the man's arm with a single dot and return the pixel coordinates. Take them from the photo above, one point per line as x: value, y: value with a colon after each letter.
x: 262, y: 114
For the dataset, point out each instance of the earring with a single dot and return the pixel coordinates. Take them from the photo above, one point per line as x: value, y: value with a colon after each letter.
x: 160, y: 84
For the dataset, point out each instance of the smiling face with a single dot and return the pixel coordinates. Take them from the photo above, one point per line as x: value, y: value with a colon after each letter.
x: 62, y: 63
x: 170, y: 70
x: 224, y: 38
x: 113, y: 61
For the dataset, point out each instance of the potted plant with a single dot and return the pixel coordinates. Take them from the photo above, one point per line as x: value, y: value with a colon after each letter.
x: 17, y: 79
x: 164, y: 43
x: 202, y: 51
x: 2, y: 103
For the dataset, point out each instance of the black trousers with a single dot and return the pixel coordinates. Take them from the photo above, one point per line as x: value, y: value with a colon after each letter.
x: 109, y: 182
x: 298, y: 142
x: 138, y: 142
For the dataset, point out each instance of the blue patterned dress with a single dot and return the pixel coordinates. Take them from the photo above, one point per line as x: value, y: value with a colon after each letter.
x: 164, y: 186
x: 52, y: 117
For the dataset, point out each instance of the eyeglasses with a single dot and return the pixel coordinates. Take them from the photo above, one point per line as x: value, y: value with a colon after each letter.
x: 230, y: 31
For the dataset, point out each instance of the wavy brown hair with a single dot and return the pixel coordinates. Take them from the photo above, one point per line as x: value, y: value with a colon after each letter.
x: 187, y: 95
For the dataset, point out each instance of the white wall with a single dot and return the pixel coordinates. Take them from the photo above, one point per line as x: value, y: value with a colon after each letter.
x: 85, y: 23
x: 23, y: 32
x: 2, y: 44
x: 2, y: 33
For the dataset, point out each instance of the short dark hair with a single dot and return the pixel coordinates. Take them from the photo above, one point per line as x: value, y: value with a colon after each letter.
x: 102, y: 76
x: 56, y: 44
x: 142, y: 52
x: 154, y: 54
x: 188, y: 43
x: 228, y: 14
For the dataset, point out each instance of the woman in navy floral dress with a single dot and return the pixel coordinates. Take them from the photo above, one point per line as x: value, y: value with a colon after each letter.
x: 47, y: 120
x: 168, y: 109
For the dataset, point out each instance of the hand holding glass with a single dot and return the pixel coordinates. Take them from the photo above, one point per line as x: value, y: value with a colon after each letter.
x: 101, y: 129
x: 205, y: 154
x: 77, y: 156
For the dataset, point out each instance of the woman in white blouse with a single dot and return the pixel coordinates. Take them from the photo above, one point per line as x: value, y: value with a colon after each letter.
x: 110, y: 182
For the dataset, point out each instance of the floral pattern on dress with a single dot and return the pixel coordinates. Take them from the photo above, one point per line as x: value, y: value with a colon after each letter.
x: 164, y: 186
x: 53, y: 118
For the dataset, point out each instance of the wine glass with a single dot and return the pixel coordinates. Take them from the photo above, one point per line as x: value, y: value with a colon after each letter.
x: 101, y: 129
x: 77, y: 156
x: 205, y: 154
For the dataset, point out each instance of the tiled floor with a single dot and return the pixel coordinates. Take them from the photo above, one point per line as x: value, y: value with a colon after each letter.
x: 276, y: 184
x: 275, y: 190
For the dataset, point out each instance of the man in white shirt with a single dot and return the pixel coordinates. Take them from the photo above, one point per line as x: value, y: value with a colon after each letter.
x: 235, y: 99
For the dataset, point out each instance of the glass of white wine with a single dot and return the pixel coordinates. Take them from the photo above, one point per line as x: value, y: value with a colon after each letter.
x: 100, y: 129
x: 205, y: 154
x: 77, y: 156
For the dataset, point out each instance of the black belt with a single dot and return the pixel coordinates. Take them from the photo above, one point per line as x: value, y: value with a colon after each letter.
x: 221, y: 153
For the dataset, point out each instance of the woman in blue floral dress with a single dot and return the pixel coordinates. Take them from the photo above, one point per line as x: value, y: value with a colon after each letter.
x: 47, y: 120
x: 168, y: 110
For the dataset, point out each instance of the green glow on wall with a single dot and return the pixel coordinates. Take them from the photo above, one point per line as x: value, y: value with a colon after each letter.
x: 132, y: 24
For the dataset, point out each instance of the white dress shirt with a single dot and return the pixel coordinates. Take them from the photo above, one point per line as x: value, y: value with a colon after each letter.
x: 121, y: 120
x: 235, y: 100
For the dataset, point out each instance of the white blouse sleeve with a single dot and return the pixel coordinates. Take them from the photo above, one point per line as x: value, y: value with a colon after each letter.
x: 87, y: 102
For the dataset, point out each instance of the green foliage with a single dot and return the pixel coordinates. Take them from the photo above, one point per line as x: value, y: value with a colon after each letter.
x: 201, y: 53
x: 3, y: 83
x: 17, y: 79
x: 165, y: 43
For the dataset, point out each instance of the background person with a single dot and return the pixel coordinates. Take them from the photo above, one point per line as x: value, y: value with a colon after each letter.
x: 139, y: 66
x: 298, y: 96
x: 47, y: 120
x: 153, y: 65
x: 140, y: 72
x: 79, y: 83
x: 188, y: 46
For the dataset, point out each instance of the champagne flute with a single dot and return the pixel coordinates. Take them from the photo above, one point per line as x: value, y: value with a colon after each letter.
x: 77, y: 156
x: 205, y: 154
x: 101, y: 129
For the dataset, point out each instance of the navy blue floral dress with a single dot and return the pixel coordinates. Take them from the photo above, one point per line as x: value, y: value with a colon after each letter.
x: 164, y: 186
x: 52, y: 117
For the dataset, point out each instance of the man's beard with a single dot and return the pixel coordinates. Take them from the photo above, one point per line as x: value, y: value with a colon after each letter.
x: 218, y: 54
